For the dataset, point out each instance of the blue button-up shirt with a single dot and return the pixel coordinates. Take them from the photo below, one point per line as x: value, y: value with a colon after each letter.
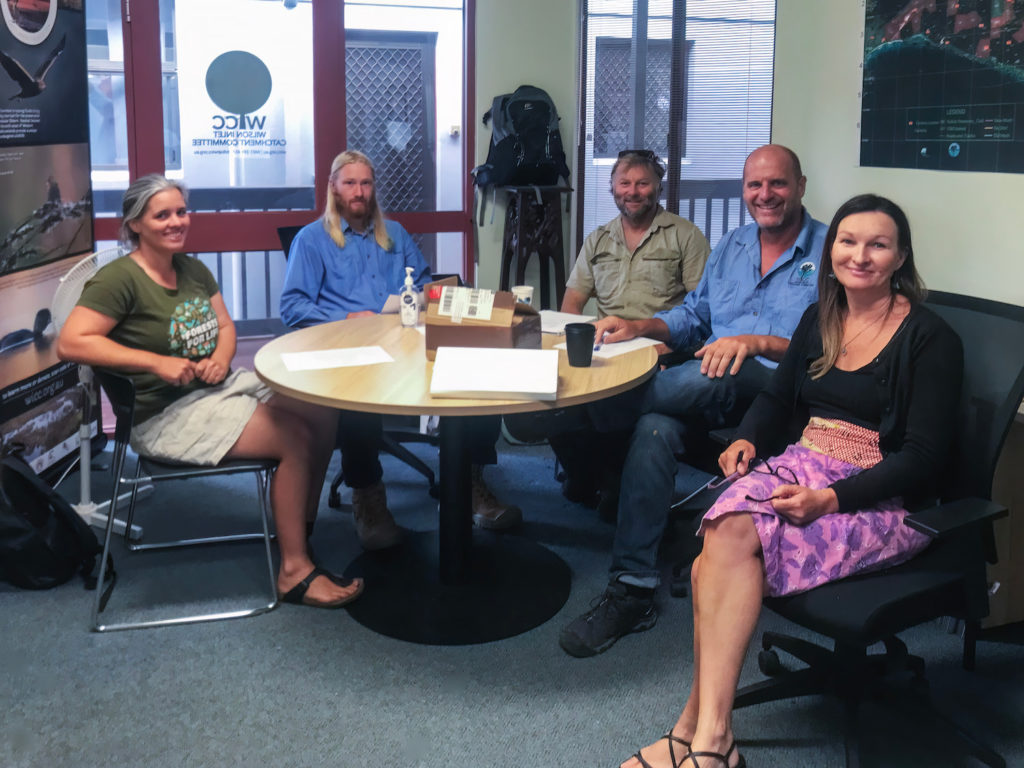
x: 733, y: 298
x: 324, y: 282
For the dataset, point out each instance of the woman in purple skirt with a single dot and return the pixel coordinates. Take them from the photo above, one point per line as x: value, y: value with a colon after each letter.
x: 874, y: 377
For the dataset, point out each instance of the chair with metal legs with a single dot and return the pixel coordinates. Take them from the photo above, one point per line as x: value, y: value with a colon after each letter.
x: 121, y: 392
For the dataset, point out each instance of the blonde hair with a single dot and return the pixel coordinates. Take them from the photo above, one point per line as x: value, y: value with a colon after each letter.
x: 332, y: 216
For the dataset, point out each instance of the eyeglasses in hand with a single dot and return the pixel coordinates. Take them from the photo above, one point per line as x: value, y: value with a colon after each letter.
x: 781, y: 471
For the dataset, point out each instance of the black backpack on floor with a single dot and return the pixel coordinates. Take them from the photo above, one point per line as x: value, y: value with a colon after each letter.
x: 43, y: 541
x: 526, y: 147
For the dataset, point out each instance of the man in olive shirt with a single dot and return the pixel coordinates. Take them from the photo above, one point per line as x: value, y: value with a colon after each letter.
x: 644, y: 260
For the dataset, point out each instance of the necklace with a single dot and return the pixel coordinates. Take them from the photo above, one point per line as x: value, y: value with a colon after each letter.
x: 880, y: 318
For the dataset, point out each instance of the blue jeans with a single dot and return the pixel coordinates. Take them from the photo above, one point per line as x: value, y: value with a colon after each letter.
x: 678, y: 400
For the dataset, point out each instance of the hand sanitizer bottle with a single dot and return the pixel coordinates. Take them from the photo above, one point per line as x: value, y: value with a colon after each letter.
x: 409, y: 310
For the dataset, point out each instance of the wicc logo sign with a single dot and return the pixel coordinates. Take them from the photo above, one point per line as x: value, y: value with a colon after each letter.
x: 239, y: 83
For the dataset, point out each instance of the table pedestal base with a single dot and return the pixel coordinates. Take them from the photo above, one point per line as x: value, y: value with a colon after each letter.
x: 511, y: 585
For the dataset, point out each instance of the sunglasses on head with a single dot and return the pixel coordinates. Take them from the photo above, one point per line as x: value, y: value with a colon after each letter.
x: 647, y: 154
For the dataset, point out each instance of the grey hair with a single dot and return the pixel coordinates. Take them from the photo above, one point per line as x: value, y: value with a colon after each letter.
x: 634, y: 158
x: 137, y: 197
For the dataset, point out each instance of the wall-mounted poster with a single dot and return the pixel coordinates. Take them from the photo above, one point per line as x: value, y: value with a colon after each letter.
x: 44, y: 133
x: 45, y: 217
x: 943, y: 85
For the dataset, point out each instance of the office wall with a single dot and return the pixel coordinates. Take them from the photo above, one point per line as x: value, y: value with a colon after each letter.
x: 532, y: 42
x: 966, y: 230
x: 967, y: 226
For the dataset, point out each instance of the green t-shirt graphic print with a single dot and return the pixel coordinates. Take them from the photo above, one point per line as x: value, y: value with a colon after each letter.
x: 178, y: 323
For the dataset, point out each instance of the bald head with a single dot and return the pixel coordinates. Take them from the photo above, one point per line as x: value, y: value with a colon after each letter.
x: 780, y: 153
x: 773, y: 188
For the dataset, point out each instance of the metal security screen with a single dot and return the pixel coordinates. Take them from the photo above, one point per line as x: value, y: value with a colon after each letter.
x: 389, y: 87
x: 613, y: 97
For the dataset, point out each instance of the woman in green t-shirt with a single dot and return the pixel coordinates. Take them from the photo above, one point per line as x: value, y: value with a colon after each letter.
x: 158, y: 316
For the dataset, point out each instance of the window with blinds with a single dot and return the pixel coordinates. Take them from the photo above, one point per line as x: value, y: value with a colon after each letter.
x: 689, y: 79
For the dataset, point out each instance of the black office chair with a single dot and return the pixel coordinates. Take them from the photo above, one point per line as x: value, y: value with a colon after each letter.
x: 121, y: 393
x: 947, y: 579
x: 286, y: 235
x: 398, y: 429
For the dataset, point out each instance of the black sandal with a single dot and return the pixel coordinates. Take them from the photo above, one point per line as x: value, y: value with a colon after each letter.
x: 297, y: 594
x: 724, y: 758
x: 670, y: 737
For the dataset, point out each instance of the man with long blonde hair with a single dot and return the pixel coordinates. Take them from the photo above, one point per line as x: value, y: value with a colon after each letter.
x: 345, y: 265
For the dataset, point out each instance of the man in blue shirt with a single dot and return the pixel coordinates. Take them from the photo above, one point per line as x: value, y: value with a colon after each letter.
x: 345, y: 265
x: 757, y: 283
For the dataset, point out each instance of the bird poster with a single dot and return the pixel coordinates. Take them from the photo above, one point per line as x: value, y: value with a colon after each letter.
x: 46, y: 216
x: 44, y: 133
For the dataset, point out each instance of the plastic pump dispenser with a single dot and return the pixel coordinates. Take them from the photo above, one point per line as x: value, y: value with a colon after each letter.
x: 409, y: 310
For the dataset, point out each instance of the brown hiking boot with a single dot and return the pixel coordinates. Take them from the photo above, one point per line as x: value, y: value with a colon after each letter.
x: 374, y: 524
x: 488, y: 511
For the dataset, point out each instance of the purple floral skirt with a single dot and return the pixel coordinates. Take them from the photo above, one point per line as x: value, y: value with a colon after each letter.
x: 798, y: 558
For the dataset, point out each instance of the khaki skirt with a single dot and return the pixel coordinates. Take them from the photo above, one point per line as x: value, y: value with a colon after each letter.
x: 201, y: 427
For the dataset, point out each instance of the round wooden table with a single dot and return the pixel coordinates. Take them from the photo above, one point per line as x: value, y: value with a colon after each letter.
x: 452, y: 587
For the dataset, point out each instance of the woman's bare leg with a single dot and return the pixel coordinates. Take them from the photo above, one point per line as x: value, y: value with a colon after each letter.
x: 323, y: 423
x: 686, y: 726
x: 731, y: 580
x: 275, y: 432
x: 729, y: 576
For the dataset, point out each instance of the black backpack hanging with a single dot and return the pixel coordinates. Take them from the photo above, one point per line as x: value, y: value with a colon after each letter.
x: 43, y: 541
x: 526, y: 146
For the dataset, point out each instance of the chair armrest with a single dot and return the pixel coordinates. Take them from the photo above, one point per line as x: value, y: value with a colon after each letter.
x: 943, y: 520
x: 722, y: 437
x: 699, y: 504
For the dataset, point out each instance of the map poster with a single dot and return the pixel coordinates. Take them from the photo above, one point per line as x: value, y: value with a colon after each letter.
x: 943, y: 85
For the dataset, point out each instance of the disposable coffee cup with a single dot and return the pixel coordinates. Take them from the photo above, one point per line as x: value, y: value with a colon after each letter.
x: 523, y: 293
x: 579, y: 344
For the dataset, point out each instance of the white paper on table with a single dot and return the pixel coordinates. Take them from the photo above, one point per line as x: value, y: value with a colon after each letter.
x: 555, y: 322
x: 319, y: 359
x: 394, y: 303
x: 495, y: 374
x: 619, y: 347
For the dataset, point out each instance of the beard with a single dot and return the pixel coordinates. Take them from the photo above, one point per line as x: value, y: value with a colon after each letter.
x: 362, y: 209
x: 648, y: 205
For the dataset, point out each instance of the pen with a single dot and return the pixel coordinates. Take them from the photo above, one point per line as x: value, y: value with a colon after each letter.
x: 600, y: 341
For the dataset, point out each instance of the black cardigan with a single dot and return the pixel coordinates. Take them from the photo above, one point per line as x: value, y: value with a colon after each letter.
x: 917, y: 382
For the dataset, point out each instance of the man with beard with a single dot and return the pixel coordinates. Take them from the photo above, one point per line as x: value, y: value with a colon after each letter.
x: 345, y: 265
x: 757, y: 283
x: 643, y: 261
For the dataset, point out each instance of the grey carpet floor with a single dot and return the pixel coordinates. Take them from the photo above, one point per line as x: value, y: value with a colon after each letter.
x: 301, y: 687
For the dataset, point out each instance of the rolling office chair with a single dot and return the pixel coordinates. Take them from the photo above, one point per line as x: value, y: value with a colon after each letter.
x: 397, y: 429
x: 947, y: 579
x: 121, y: 393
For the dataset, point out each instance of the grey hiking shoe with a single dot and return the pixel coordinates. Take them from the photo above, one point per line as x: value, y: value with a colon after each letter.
x: 613, y: 615
x: 375, y: 526
x: 489, y: 512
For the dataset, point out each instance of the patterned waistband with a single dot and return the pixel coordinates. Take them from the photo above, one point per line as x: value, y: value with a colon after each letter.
x: 843, y: 441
